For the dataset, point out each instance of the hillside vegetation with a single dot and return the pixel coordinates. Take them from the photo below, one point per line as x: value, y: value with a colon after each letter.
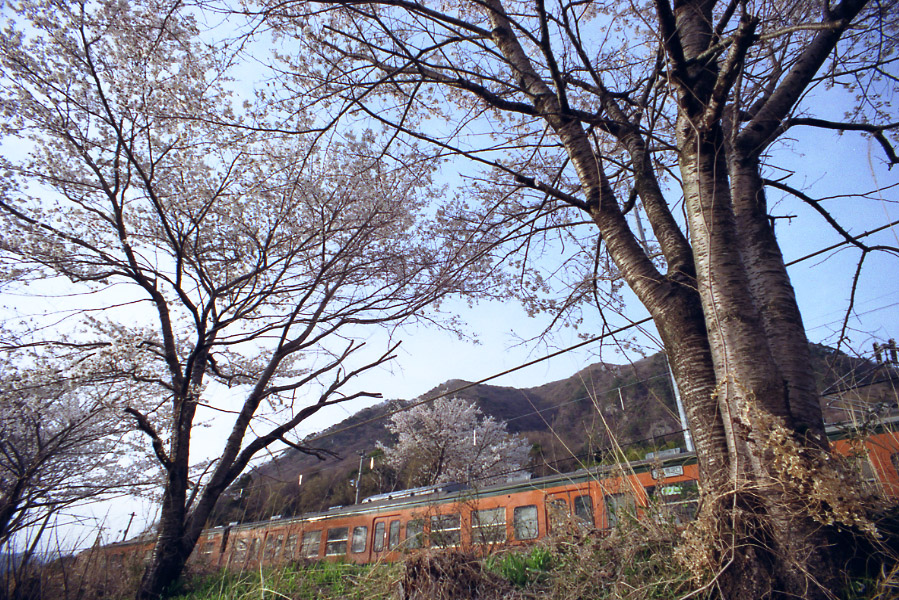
x: 570, y: 423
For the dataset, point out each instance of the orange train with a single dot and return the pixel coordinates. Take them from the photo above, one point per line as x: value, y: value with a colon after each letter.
x: 383, y: 527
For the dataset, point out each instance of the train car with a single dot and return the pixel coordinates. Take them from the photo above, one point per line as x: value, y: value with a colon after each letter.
x: 875, y: 454
x: 384, y: 527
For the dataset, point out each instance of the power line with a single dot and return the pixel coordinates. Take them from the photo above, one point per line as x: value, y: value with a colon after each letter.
x: 579, y: 457
x: 843, y: 243
x: 582, y: 398
x: 472, y: 384
x: 581, y: 344
x: 560, y: 352
x: 532, y: 413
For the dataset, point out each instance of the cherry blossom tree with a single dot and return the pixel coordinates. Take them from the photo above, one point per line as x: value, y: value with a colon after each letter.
x: 63, y: 442
x: 223, y: 270
x: 450, y: 440
x: 591, y: 118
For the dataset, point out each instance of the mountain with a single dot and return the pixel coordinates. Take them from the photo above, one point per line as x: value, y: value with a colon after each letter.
x: 567, y: 422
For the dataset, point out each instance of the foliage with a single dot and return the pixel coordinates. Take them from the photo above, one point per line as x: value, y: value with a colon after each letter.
x: 631, y: 566
x: 883, y: 586
x: 450, y: 440
x: 259, y: 253
x: 588, y: 118
x: 302, y: 582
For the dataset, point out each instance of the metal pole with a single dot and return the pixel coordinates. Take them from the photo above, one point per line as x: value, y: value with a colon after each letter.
x: 688, y: 438
x: 359, y: 475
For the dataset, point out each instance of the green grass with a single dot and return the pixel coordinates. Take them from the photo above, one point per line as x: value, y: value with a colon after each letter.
x: 616, y: 567
x: 521, y: 568
x: 324, y: 580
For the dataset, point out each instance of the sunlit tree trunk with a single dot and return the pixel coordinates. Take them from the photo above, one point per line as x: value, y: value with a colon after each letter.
x: 775, y: 545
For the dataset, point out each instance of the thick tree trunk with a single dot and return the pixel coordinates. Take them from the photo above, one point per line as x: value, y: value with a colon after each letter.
x: 179, y: 531
x: 775, y: 546
x: 168, y: 563
x: 172, y: 548
x: 9, y: 505
x: 759, y: 532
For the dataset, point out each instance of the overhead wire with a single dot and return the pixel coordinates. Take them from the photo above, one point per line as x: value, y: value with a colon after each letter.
x: 330, y: 466
x: 632, y: 324
x: 843, y: 243
x: 581, y: 344
x: 462, y: 388
x: 579, y: 458
x: 537, y: 412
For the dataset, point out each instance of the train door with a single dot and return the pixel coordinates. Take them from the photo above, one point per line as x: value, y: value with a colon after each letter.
x: 571, y: 506
x: 386, y: 536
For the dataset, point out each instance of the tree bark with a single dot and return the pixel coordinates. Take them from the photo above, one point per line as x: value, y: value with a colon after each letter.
x: 775, y: 547
x: 772, y: 291
x: 725, y: 309
x: 173, y: 546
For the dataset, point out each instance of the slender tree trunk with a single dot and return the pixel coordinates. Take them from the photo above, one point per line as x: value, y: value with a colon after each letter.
x: 773, y: 293
x: 171, y: 552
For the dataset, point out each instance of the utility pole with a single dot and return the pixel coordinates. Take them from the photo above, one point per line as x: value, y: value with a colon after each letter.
x: 127, y: 527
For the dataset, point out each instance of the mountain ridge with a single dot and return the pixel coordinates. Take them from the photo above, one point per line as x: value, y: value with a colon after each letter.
x: 577, y: 415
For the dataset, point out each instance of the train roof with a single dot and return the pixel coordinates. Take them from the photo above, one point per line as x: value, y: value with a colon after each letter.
x: 428, y: 495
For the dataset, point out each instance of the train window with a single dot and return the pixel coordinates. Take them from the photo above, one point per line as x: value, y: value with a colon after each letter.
x: 446, y: 530
x: 360, y: 536
x: 337, y: 539
x: 675, y: 502
x: 894, y: 460
x: 583, y: 509
x: 488, y: 526
x: 393, y: 539
x: 311, y: 542
x: 378, y: 543
x: 239, y: 554
x: 290, y: 545
x: 867, y: 469
x: 254, y: 549
x: 415, y: 533
x: 272, y: 545
x: 618, y: 507
x: 557, y: 512
x: 524, y: 521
